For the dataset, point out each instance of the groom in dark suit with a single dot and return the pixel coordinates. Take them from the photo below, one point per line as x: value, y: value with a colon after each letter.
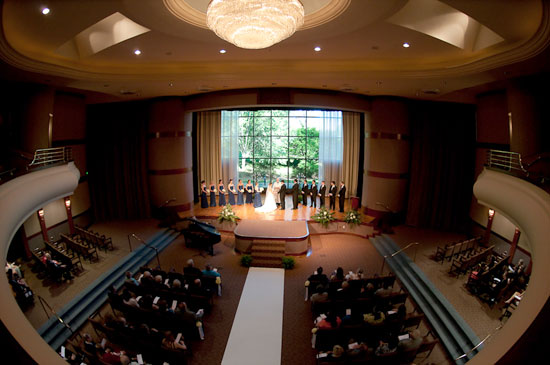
x: 282, y: 194
x: 322, y: 192
x: 341, y: 196
x: 294, y: 190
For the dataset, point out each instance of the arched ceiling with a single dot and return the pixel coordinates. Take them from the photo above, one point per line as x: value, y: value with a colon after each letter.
x: 454, y: 44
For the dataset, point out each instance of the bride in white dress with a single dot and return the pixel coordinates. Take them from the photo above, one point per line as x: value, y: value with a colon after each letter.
x: 269, y: 204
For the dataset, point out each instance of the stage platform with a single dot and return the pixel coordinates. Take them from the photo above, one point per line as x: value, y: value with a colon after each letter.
x: 295, y: 234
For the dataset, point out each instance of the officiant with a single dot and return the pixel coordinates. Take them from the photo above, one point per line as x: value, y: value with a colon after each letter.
x: 276, y: 188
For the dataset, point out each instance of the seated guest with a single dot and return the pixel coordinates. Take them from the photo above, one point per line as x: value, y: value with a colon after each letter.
x: 320, y: 295
x: 376, y: 318
x: 209, y: 271
x: 412, y: 343
x: 129, y: 299
x: 330, y: 321
x: 191, y: 270
x: 338, y: 275
x: 146, y: 302
x: 130, y: 280
x: 159, y: 284
x: 336, y: 355
x: 169, y: 342
x: 113, y: 295
x: 147, y: 280
x: 356, y: 349
x: 345, y: 292
x: 188, y: 315
x: 383, y: 292
x: 176, y: 286
x: 163, y: 306
x: 367, y: 291
x: 111, y: 357
x: 386, y: 347
x: 196, y: 288
x: 319, y: 277
x: 89, y: 345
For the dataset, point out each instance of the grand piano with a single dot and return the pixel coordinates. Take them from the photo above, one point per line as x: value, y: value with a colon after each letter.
x: 199, y: 234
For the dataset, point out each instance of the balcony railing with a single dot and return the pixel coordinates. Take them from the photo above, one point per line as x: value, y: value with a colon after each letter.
x: 48, y: 156
x: 535, y: 169
x: 506, y: 161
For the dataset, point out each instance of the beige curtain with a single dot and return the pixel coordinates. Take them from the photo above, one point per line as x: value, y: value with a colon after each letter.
x: 352, y: 128
x: 208, y: 146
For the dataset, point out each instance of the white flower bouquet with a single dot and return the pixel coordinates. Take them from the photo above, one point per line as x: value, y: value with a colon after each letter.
x: 323, y: 216
x: 352, y: 217
x: 227, y: 214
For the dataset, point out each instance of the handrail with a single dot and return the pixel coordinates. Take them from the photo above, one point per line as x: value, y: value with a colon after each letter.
x: 138, y: 238
x: 398, y: 252
x: 59, y: 319
x: 466, y: 354
x: 505, y: 161
x: 46, y: 156
x: 385, y: 206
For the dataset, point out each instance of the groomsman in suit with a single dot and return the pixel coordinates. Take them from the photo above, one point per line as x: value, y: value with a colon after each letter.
x: 282, y: 194
x: 341, y: 196
x: 305, y: 192
x: 332, y: 195
x: 313, y: 194
x: 294, y: 190
x: 322, y: 192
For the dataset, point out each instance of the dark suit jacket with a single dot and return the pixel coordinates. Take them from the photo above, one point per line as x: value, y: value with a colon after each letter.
x: 294, y: 190
x: 333, y: 190
x: 322, y: 191
x: 282, y: 191
x: 342, y: 193
x: 305, y: 189
x: 313, y: 191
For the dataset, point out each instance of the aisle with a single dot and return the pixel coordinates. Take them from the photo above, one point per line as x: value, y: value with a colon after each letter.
x: 256, y: 335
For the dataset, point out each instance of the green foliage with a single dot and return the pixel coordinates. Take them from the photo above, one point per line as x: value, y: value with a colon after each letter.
x: 353, y: 217
x: 246, y: 260
x: 323, y: 216
x: 276, y: 143
x: 288, y: 262
x: 228, y: 215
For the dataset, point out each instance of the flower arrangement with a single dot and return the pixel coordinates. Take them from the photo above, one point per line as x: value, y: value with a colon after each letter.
x: 323, y: 216
x: 227, y: 214
x: 353, y: 217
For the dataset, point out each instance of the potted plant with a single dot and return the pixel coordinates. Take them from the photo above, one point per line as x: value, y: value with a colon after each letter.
x: 288, y: 262
x: 246, y: 260
x: 323, y: 216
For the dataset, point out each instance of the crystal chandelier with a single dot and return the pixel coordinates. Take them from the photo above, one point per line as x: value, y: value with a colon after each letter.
x: 254, y: 24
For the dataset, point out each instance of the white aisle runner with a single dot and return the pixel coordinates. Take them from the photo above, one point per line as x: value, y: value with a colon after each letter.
x: 256, y: 335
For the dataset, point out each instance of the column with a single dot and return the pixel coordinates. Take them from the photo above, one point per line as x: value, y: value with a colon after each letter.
x: 514, y: 245
x: 43, y: 227
x: 386, y: 162
x: 170, y: 155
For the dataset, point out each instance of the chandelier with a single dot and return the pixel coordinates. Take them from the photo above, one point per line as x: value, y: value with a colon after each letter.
x: 254, y: 24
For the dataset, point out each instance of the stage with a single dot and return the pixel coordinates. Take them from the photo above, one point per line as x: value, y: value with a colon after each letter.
x: 295, y: 234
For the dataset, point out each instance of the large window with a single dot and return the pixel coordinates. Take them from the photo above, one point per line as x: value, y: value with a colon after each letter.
x: 278, y: 143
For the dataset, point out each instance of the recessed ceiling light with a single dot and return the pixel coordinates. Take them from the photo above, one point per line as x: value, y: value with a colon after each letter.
x: 317, y: 49
x: 222, y: 51
x: 137, y: 52
x: 45, y: 11
x: 170, y: 84
x: 406, y: 45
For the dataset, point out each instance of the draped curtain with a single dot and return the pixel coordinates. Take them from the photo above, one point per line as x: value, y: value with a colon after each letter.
x: 352, y: 143
x: 208, y: 146
x: 442, y: 165
x: 230, y: 145
x: 330, y: 147
x: 116, y: 152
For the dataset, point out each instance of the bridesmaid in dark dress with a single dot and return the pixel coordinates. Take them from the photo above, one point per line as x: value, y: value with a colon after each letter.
x: 249, y: 192
x: 240, y: 192
x: 257, y: 196
x: 212, y: 194
x: 222, y: 191
x: 204, y: 192
x: 231, y: 188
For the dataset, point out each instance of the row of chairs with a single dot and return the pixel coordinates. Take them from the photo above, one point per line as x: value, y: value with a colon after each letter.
x: 80, y: 248
x: 94, y: 238
x: 63, y: 255
x: 359, y: 305
x: 463, y: 264
x: 208, y: 282
x: 449, y: 251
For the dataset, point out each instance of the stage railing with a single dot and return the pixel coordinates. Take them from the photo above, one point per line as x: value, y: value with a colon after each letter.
x: 139, y: 239
x: 415, y: 244
x: 49, y: 156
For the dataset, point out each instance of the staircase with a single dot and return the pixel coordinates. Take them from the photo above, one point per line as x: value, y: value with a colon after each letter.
x: 454, y: 333
x: 77, y: 311
x: 267, y: 253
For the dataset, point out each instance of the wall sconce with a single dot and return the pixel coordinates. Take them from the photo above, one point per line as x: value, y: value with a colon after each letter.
x: 41, y: 213
x: 68, y: 202
x: 491, y: 213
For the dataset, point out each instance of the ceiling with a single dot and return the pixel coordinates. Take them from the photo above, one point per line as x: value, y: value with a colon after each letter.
x: 454, y: 45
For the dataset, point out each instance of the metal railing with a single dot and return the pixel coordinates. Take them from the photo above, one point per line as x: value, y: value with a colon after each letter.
x: 48, y: 156
x: 415, y: 244
x: 509, y: 162
x: 479, y: 344
x: 59, y: 319
x: 139, y: 239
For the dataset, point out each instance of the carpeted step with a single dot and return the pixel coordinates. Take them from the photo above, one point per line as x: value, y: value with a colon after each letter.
x: 267, y: 263
x: 267, y: 249
x: 77, y: 311
x: 452, y: 330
